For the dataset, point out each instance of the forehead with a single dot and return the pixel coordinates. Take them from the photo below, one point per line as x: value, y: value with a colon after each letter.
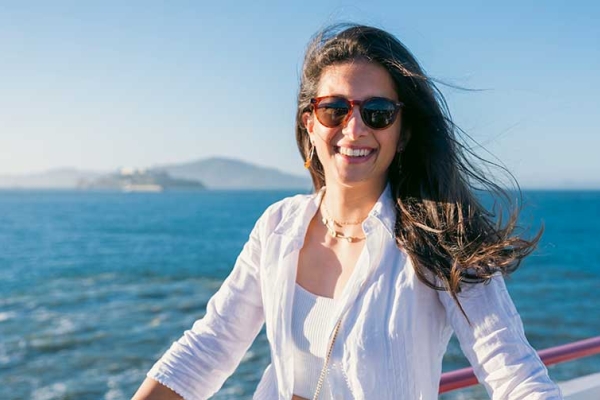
x: 356, y: 80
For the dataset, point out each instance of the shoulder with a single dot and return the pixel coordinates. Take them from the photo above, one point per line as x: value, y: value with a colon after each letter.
x: 290, y: 210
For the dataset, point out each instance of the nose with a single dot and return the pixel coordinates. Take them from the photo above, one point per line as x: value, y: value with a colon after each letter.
x: 354, y: 126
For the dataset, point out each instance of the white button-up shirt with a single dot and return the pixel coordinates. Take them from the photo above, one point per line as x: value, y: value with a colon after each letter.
x: 394, y: 328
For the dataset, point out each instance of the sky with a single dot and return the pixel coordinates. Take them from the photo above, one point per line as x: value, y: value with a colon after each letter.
x: 103, y: 85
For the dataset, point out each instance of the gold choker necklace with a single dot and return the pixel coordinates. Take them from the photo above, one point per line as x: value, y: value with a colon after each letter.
x: 340, y: 235
x: 339, y: 223
x: 330, y: 224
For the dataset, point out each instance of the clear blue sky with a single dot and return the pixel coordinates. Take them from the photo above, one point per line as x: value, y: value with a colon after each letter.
x: 99, y: 85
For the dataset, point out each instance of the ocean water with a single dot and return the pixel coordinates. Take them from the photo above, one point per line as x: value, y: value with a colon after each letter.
x: 95, y: 286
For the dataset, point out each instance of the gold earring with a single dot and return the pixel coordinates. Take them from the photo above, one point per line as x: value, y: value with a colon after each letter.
x: 308, y: 161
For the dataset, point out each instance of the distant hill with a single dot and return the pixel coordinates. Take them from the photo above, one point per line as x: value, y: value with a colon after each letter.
x: 226, y: 173
x: 59, y: 178
x: 212, y: 173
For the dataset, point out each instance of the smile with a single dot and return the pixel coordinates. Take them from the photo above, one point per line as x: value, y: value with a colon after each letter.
x: 355, y: 156
x: 348, y: 152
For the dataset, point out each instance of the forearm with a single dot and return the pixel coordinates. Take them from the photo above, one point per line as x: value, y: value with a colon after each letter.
x: 153, y: 390
x: 494, y: 342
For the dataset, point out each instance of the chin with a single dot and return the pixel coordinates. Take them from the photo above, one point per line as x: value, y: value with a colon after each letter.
x: 350, y: 180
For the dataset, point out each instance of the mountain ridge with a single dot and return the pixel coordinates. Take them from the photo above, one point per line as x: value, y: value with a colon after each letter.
x: 232, y: 173
x: 220, y: 173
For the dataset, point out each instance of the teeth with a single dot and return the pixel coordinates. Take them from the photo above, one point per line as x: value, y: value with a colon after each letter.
x: 354, y: 152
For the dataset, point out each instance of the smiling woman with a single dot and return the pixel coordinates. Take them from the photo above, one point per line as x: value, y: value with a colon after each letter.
x: 356, y: 148
x: 361, y: 284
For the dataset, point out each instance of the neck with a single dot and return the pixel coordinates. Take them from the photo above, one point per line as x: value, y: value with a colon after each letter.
x: 346, y: 203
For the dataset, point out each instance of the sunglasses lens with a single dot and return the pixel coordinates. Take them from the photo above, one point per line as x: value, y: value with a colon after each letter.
x: 378, y: 113
x: 331, y: 111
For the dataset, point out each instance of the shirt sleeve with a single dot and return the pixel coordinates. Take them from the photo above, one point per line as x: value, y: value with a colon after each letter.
x: 495, y: 343
x: 197, y: 365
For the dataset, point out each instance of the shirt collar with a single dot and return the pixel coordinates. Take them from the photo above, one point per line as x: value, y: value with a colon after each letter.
x: 385, y: 211
x: 296, y: 222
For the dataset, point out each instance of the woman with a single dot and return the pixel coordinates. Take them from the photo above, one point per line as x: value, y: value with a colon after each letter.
x: 361, y: 284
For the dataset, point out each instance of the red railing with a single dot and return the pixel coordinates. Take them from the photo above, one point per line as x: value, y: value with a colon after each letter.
x: 465, y: 377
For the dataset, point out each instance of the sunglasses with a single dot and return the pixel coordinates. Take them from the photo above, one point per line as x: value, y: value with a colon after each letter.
x: 376, y: 112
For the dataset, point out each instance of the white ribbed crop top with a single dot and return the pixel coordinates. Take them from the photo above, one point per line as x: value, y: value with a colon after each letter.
x: 310, y: 317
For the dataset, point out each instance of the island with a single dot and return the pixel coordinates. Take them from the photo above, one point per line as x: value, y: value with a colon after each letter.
x: 139, y: 180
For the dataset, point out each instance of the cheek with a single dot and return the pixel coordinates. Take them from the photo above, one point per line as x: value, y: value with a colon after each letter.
x: 389, y: 139
x: 322, y: 145
x: 326, y: 135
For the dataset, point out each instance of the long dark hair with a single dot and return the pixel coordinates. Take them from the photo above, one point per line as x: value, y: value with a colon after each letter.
x: 441, y: 223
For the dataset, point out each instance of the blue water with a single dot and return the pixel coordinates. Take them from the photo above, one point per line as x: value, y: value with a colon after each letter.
x: 95, y: 286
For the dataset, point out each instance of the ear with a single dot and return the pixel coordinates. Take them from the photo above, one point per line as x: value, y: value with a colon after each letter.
x: 309, y: 124
x: 404, y: 139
